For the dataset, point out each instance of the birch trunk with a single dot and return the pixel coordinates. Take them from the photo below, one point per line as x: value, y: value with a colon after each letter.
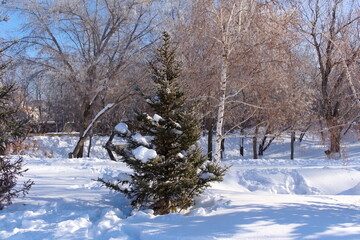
x: 220, y: 118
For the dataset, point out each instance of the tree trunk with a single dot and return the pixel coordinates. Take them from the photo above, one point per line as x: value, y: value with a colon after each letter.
x: 210, y: 127
x: 334, y: 127
x: 255, y: 144
x: 86, y: 128
x: 79, y: 149
x: 109, y: 146
x: 242, y: 145
x: 302, y: 134
x: 221, y: 110
x: 323, y: 139
x: 261, y: 146
x: 89, y: 147
x: 335, y: 137
x: 292, y: 145
x: 222, y: 148
x: 84, y: 122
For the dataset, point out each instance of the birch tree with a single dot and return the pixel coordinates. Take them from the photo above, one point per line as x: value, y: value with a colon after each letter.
x: 231, y: 20
x: 209, y: 31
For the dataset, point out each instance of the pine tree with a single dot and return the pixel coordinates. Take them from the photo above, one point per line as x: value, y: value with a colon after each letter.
x: 11, y: 130
x: 169, y: 169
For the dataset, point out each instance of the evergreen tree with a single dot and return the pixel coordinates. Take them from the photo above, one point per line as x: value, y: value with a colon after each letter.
x: 11, y: 130
x: 169, y: 169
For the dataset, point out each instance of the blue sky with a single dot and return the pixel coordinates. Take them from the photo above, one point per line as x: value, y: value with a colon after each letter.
x: 10, y: 29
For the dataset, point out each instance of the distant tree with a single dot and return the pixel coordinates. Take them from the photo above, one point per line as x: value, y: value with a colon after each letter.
x: 169, y: 168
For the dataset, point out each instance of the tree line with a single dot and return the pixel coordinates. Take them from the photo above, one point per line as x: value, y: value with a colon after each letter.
x: 257, y: 67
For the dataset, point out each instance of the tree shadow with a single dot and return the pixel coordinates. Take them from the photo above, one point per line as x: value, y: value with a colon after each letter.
x: 313, y: 220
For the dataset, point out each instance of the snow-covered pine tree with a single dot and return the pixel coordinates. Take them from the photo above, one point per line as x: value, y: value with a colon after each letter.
x: 169, y: 169
x: 11, y: 130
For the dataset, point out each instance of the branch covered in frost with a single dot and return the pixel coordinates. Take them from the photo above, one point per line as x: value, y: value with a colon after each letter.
x: 100, y: 114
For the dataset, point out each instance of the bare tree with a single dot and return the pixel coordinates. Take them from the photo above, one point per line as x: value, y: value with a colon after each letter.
x: 88, y: 45
x: 230, y: 19
x: 332, y: 28
x: 258, y: 87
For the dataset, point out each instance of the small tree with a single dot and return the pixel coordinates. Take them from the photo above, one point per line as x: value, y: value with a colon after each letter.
x: 169, y: 168
x: 11, y: 130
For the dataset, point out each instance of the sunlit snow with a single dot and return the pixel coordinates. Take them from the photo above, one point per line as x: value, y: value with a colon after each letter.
x: 310, y: 197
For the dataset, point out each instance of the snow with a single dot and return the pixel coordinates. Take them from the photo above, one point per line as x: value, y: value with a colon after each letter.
x: 144, y: 154
x: 176, y: 131
x: 122, y: 128
x: 154, y: 99
x: 207, y: 175
x: 157, y: 118
x: 140, y: 139
x: 310, y: 197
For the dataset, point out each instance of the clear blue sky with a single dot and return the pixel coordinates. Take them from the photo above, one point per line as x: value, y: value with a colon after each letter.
x: 10, y: 29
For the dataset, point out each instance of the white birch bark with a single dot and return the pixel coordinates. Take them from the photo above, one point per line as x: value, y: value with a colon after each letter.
x: 221, y: 111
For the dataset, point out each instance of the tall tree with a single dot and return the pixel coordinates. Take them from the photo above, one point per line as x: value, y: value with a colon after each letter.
x: 215, y: 40
x: 232, y: 18
x: 332, y: 28
x: 88, y: 45
x: 221, y: 26
x: 169, y: 169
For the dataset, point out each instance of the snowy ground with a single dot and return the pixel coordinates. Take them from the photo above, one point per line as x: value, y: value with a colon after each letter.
x: 271, y: 198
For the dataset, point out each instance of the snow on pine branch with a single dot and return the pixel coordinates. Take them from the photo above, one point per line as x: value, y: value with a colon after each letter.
x: 157, y: 118
x: 144, y: 154
x: 122, y: 128
x: 140, y: 139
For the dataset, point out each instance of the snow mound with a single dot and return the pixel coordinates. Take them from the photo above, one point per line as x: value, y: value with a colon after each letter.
x: 278, y: 181
x: 352, y: 191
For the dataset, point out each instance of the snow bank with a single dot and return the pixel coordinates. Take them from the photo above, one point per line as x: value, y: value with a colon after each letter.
x: 352, y: 191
